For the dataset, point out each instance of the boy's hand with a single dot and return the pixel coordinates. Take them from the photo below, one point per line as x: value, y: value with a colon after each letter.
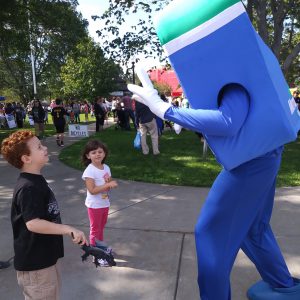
x: 78, y: 237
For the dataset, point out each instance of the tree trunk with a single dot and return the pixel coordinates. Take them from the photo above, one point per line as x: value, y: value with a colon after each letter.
x: 262, y: 20
x: 250, y: 9
x: 288, y: 61
x: 279, y: 14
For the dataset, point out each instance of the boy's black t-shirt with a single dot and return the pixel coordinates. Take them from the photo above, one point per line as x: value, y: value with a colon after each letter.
x: 34, y: 199
x: 58, y: 113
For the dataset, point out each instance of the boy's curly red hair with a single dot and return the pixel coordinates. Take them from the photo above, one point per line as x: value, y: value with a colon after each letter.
x: 13, y: 147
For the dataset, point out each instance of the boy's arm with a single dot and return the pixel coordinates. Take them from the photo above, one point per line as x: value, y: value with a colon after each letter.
x: 94, y: 190
x: 45, y: 227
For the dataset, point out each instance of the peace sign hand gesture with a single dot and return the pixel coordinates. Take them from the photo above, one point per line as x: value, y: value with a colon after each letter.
x: 147, y: 94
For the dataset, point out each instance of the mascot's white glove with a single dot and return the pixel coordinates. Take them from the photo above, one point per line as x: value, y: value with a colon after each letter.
x: 177, y: 128
x: 147, y: 94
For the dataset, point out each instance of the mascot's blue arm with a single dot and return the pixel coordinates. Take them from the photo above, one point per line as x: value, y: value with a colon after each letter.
x: 225, y: 121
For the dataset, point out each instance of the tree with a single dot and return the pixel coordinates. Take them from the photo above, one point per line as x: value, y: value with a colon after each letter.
x: 162, y: 88
x: 277, y: 21
x: 87, y: 73
x: 141, y: 40
x: 51, y: 29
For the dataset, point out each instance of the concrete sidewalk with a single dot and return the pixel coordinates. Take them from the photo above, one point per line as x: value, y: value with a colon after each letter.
x: 150, y: 228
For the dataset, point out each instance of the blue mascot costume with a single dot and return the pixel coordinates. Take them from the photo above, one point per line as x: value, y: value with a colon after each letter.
x: 242, y: 105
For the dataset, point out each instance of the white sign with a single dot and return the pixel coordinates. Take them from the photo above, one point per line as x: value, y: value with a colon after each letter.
x: 76, y: 130
x: 30, y: 120
x: 10, y: 121
x: 117, y: 93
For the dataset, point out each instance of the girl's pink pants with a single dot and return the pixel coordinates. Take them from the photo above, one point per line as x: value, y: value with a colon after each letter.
x: 98, y: 219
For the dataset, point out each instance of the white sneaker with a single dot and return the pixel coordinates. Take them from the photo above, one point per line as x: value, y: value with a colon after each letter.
x: 103, y: 262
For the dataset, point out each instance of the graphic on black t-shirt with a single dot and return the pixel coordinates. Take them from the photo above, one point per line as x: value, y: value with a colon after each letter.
x: 58, y: 114
x: 36, y: 114
x: 53, y: 209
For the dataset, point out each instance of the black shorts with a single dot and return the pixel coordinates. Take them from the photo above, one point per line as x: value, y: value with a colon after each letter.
x: 60, y: 127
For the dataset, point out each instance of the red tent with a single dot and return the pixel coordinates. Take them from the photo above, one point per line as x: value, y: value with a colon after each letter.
x: 168, y: 77
x: 177, y: 93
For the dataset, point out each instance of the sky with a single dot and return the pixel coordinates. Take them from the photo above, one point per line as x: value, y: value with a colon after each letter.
x: 97, y: 7
x: 89, y: 8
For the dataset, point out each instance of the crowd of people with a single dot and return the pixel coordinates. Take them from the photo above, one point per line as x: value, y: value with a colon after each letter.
x: 123, y: 110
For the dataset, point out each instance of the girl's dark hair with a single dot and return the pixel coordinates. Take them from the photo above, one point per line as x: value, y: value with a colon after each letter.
x: 91, y: 146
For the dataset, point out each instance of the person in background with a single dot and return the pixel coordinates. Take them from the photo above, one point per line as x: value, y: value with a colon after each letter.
x: 108, y: 103
x: 105, y: 107
x: 19, y: 115
x: 9, y: 109
x: 52, y: 104
x: 121, y: 120
x: 99, y: 114
x: 86, y: 110
x: 129, y: 113
x: 114, y: 106
x: 38, y: 115
x: 59, y: 120
x: 168, y: 123
x: 68, y: 109
x: 147, y: 124
x: 297, y: 98
x: 185, y: 102
x: 76, y: 109
x: 2, y: 116
x: 46, y: 113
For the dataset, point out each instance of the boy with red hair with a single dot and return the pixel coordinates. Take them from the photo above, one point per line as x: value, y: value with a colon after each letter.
x: 35, y: 218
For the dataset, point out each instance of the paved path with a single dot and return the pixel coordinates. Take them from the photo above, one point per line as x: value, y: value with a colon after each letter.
x: 150, y: 227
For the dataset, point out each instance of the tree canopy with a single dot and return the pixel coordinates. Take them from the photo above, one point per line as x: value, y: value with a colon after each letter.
x: 51, y: 29
x: 277, y: 21
x: 87, y: 73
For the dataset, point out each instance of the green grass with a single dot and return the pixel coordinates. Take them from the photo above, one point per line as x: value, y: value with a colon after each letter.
x: 180, y: 161
x: 289, y: 174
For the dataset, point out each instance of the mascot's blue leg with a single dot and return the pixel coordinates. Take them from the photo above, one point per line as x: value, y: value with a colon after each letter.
x: 261, y: 247
x: 238, y: 202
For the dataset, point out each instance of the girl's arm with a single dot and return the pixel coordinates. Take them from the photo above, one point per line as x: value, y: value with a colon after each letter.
x: 94, y: 189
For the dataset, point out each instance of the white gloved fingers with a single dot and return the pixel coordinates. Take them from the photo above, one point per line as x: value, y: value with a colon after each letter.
x: 142, y: 92
x: 138, y: 98
x: 137, y: 90
x: 150, y: 98
x: 144, y: 77
x: 177, y: 128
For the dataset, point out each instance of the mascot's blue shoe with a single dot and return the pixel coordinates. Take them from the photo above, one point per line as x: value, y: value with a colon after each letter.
x: 263, y: 291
